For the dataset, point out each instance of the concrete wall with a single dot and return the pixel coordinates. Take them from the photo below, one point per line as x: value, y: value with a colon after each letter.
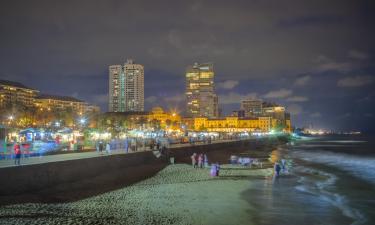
x: 92, y: 176
x: 30, y: 178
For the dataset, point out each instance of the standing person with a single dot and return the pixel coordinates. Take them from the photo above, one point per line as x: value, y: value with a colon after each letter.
x: 136, y: 144
x: 217, y: 169
x: 283, y: 166
x: 200, y: 160
x: 126, y: 145
x: 213, y: 170
x: 101, y: 146
x: 108, y: 148
x: 277, y: 169
x: 17, y: 152
x: 97, y: 146
x: 205, y: 160
x: 193, y: 160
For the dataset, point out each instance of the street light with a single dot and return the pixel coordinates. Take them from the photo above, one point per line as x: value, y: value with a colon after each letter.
x: 82, y: 121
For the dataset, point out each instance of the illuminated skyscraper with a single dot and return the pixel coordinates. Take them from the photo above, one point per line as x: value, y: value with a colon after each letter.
x: 116, y: 89
x: 201, y: 99
x: 126, y: 87
x: 134, y: 86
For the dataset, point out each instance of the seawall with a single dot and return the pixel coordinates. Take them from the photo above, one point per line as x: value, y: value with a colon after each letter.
x: 76, y: 179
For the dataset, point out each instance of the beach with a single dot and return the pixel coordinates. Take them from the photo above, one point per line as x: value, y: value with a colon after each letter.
x: 179, y: 194
x: 315, y: 189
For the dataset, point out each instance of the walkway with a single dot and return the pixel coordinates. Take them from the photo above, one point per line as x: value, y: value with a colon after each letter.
x: 83, y: 155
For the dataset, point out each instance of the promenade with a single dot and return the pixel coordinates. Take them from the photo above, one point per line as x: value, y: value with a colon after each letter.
x: 64, y: 156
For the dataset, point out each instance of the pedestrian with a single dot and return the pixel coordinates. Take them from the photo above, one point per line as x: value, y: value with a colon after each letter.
x: 200, y: 161
x: 283, y: 161
x: 158, y: 145
x: 126, y: 145
x: 213, y: 170
x: 277, y: 169
x: 97, y: 146
x: 17, y: 152
x: 217, y: 169
x: 205, y: 160
x: 108, y: 148
x: 193, y: 160
x: 101, y: 146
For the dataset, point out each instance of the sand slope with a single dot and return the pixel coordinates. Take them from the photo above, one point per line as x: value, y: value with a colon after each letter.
x: 179, y: 194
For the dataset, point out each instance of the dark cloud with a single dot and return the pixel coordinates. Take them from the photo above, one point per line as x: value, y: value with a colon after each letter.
x: 303, y: 47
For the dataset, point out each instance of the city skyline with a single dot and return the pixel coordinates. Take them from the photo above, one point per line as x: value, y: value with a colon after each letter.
x: 317, y: 60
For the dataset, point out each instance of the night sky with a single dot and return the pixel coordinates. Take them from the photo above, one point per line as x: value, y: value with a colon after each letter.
x: 315, y: 57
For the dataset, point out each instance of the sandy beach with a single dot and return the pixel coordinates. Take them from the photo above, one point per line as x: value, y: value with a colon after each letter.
x: 312, y: 192
x: 178, y: 194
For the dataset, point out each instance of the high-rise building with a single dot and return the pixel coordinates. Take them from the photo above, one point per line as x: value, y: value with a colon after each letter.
x: 126, y: 87
x: 201, y: 99
x: 116, y: 89
x: 134, y: 86
x: 252, y: 107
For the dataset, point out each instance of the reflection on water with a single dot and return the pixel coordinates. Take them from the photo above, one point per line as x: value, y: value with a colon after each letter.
x: 327, y: 185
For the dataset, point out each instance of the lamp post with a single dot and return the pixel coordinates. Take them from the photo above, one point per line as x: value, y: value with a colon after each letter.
x: 82, y: 122
x: 10, y: 118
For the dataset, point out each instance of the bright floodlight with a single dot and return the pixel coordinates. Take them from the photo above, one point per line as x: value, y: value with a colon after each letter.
x: 82, y: 121
x: 11, y: 117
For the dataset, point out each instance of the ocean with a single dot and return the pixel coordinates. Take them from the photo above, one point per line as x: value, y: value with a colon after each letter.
x: 329, y: 180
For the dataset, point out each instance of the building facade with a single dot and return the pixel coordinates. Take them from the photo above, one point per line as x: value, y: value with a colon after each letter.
x: 14, y: 93
x: 134, y: 87
x: 233, y: 124
x: 280, y: 117
x: 252, y: 107
x: 126, y: 87
x: 201, y: 99
x: 116, y: 89
x: 164, y: 118
x: 64, y: 103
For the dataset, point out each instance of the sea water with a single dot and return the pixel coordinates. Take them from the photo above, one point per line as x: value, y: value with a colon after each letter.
x: 331, y: 181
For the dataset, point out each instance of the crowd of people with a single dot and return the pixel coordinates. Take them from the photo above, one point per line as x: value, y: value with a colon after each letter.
x: 245, y: 161
x: 201, y: 161
x: 130, y: 145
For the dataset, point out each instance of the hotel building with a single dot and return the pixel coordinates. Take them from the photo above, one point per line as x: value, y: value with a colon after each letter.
x: 55, y: 102
x: 126, y: 87
x: 233, y: 124
x: 201, y: 100
x: 14, y: 93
